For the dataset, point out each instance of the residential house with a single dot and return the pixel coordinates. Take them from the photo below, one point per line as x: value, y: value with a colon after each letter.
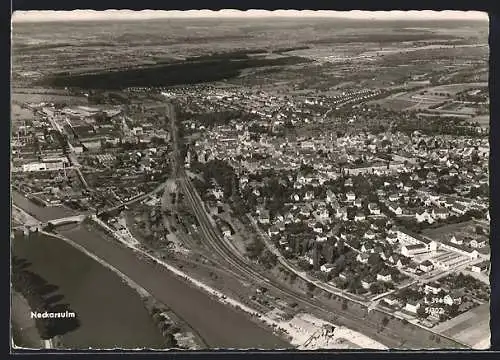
x: 391, y: 300
x: 432, y: 176
x: 440, y: 213
x: 412, y: 306
x: 305, y: 211
x: 279, y: 218
x: 341, y: 213
x: 359, y: 217
x: 412, y: 267
x: 321, y: 238
x: 391, y: 238
x: 370, y: 235
x: 426, y: 266
x: 309, y: 196
x: 384, y: 275
x: 477, y: 243
x: 350, y: 196
x: 283, y: 242
x: 358, y: 203
x: 423, y: 215
x: 447, y: 202
x: 393, y: 197
x: 264, y: 217
x: 326, y: 268
x: 330, y: 197
x: 395, y: 208
x: 432, y: 288
x: 273, y: 230
x: 454, y: 297
x: 318, y: 228
x: 374, y: 209
x: 367, y: 248
x: 366, y: 283
x: 458, y: 240
x: 402, y: 262
x: 459, y: 208
x: 322, y: 214
x: 363, y: 258
x: 481, y: 267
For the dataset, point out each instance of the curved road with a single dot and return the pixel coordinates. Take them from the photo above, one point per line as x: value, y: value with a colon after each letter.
x: 238, y: 263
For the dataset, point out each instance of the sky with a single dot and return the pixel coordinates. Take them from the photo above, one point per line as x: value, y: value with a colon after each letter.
x: 46, y: 15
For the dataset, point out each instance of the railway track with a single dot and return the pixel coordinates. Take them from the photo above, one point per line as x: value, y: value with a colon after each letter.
x: 215, y: 242
x: 239, y: 265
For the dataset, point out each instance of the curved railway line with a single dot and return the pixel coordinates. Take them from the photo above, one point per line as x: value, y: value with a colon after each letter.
x: 242, y: 268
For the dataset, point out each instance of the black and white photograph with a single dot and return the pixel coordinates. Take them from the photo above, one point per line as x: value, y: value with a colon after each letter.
x: 249, y: 180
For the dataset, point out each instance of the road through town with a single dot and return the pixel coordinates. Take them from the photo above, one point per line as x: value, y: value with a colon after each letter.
x: 236, y: 262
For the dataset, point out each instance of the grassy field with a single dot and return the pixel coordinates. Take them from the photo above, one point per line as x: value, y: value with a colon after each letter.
x: 471, y: 328
x: 396, y: 104
x: 453, y: 89
x: 38, y: 97
x: 110, y: 313
x: 19, y: 114
x: 483, y: 120
x: 446, y: 231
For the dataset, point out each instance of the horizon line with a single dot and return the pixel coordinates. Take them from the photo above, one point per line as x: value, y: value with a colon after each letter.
x: 116, y: 15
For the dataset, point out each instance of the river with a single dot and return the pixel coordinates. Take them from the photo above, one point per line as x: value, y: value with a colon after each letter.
x: 99, y: 298
x: 219, y: 325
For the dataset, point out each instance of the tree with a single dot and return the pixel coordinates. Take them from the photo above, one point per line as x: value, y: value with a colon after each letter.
x: 170, y: 341
x: 421, y: 313
x: 268, y: 259
x: 50, y: 227
x: 310, y: 287
x: 385, y: 321
x: 344, y: 304
x: 376, y: 288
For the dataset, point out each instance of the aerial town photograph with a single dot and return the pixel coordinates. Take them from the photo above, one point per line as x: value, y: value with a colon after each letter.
x: 249, y: 180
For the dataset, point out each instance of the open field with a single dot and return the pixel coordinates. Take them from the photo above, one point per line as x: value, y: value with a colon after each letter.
x: 446, y: 230
x: 18, y: 113
x: 453, y: 89
x: 483, y: 120
x: 422, y: 99
x: 39, y: 96
x: 472, y: 327
x: 99, y: 298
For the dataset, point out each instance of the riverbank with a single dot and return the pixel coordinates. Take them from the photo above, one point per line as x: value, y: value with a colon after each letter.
x: 221, y: 326
x: 99, y: 298
x: 218, y: 295
x: 149, y: 302
x: 24, y: 332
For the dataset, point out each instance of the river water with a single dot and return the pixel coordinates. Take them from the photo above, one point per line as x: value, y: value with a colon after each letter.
x: 219, y: 325
x: 98, y: 297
